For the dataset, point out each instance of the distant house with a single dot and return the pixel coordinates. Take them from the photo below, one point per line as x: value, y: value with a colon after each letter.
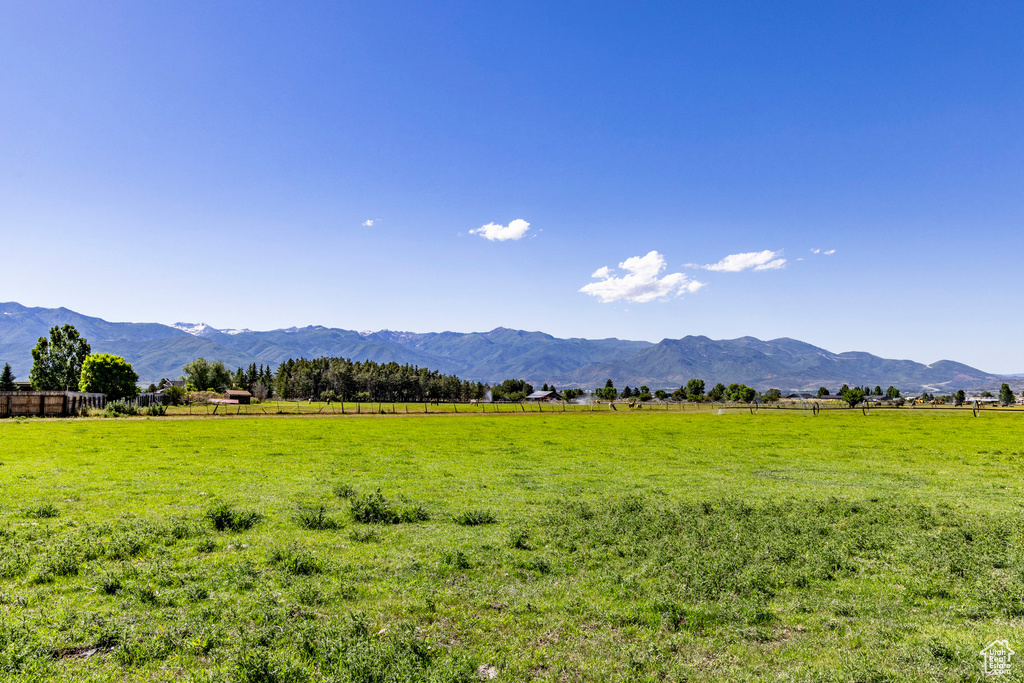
x: 803, y: 396
x: 23, y: 386
x: 238, y: 396
x: 544, y: 396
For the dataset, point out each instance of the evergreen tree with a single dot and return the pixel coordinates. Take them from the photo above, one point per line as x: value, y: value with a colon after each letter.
x: 822, y: 391
x: 7, y: 379
x: 1006, y: 395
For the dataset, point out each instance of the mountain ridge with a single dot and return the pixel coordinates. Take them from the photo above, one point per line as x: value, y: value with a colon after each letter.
x: 157, y: 350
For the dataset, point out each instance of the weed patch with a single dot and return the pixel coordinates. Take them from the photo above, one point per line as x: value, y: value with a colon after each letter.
x: 226, y: 517
x: 476, y: 518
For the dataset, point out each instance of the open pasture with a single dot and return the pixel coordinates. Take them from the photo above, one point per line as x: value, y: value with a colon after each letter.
x: 640, y: 545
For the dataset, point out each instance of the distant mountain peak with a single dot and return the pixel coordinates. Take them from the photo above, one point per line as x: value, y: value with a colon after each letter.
x: 195, y: 329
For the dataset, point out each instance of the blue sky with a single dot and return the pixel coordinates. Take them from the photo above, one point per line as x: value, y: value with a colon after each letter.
x: 220, y: 162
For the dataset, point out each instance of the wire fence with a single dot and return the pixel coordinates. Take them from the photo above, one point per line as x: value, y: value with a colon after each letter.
x: 286, y: 407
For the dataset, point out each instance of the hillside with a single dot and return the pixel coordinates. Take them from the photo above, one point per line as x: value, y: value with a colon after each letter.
x: 157, y: 351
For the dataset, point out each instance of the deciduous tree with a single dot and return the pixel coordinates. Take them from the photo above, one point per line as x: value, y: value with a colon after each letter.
x: 57, y: 361
x: 201, y: 375
x: 103, y: 373
x: 853, y: 396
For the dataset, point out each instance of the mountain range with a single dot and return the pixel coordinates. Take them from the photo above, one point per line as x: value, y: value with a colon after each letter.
x: 157, y: 351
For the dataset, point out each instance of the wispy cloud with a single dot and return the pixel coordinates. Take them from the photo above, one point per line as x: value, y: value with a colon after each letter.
x: 499, y: 233
x: 828, y: 252
x: 369, y: 222
x: 641, y: 283
x: 755, y: 260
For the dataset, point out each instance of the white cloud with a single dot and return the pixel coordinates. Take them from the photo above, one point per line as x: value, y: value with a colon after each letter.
x: 815, y: 251
x: 368, y: 223
x: 495, y: 232
x: 758, y: 260
x: 641, y: 283
x: 829, y: 252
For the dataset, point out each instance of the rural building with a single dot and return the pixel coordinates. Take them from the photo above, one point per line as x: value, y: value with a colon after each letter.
x: 804, y: 396
x: 238, y: 396
x: 47, y: 403
x: 544, y: 396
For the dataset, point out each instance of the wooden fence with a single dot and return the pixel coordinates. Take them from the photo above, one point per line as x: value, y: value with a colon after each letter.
x: 47, y: 403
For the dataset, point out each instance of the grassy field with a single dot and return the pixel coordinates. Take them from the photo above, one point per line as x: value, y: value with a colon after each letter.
x: 581, y: 546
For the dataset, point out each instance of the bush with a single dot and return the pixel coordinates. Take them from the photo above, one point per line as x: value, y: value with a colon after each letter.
x: 156, y: 410
x: 225, y: 517
x: 120, y: 408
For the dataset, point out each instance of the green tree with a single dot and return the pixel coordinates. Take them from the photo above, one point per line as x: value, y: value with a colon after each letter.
x: 853, y: 396
x: 1005, y: 395
x: 627, y: 392
x: 57, y: 362
x: 822, y: 391
x: 103, y: 373
x: 7, y: 379
x: 661, y: 394
x: 877, y: 391
x: 892, y: 392
x: 695, y: 389
x: 717, y: 392
x: 201, y: 375
x: 772, y: 395
x: 961, y: 397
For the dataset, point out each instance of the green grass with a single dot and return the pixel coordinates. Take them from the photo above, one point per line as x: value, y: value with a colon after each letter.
x: 607, y: 546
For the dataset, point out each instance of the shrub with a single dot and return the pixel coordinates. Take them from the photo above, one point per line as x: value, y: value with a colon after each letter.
x: 476, y: 518
x: 120, y: 408
x: 225, y: 517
